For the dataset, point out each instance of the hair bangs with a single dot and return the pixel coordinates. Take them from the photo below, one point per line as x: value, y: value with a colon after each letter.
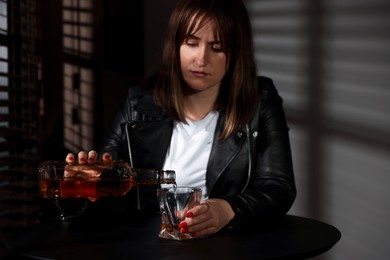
x: 195, y: 19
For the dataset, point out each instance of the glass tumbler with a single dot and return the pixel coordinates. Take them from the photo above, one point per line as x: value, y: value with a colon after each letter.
x: 174, y: 204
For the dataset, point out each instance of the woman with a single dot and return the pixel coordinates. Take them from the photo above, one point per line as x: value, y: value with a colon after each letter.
x: 207, y: 116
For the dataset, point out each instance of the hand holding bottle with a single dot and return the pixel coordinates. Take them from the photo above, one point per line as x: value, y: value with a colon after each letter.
x: 86, y: 164
x: 86, y: 179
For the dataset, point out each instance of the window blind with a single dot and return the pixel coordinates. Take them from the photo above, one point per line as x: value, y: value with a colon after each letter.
x: 78, y: 73
x: 19, y: 113
x: 330, y: 61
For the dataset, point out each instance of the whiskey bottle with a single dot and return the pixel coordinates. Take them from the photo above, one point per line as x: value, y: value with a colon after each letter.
x: 60, y: 180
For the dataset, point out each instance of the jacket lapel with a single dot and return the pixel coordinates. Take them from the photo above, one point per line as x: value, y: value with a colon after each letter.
x: 222, y: 154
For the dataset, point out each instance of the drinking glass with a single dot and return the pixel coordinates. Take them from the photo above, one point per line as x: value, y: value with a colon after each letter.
x: 174, y: 204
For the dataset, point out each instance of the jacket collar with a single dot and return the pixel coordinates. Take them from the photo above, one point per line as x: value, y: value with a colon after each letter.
x: 148, y: 107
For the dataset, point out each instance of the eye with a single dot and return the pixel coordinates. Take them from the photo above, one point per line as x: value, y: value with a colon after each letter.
x: 191, y: 43
x: 216, y: 47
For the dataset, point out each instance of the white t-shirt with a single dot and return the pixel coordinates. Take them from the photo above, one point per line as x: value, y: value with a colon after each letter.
x: 190, y: 149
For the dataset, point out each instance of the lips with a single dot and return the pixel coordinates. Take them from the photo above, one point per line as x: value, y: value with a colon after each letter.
x: 199, y: 74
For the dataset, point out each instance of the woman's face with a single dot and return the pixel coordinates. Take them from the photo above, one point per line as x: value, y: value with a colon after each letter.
x: 202, y: 60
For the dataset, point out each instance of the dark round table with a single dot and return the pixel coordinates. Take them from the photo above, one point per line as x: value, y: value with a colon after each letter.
x: 136, y: 237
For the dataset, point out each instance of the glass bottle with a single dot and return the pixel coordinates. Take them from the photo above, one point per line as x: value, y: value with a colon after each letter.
x: 60, y: 180
x: 73, y: 187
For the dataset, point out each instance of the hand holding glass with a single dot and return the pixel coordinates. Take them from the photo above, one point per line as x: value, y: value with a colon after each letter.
x: 174, y: 203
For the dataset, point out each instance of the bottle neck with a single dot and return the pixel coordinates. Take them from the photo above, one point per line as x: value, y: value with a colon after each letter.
x: 148, y: 176
x: 167, y: 177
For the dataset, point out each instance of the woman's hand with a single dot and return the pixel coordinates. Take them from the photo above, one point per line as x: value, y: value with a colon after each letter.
x: 207, y: 218
x: 85, y: 164
x: 84, y: 158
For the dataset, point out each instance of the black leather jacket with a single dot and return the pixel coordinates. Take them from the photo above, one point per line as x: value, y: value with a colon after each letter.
x: 252, y: 170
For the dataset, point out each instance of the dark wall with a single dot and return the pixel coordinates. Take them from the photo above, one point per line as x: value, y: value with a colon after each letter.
x: 120, y: 58
x: 51, y: 48
x: 156, y: 16
x: 122, y: 38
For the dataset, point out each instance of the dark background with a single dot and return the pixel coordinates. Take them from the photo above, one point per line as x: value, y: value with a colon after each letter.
x: 70, y: 63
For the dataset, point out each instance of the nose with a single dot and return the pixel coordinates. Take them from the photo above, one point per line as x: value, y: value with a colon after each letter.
x: 201, y: 57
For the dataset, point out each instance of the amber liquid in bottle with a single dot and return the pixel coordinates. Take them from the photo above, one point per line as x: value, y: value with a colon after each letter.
x: 73, y: 186
x: 95, y: 181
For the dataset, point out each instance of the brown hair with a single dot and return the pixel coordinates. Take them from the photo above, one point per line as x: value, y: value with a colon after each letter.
x: 239, y: 91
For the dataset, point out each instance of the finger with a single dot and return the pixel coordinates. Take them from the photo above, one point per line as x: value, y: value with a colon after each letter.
x: 203, y: 232
x: 70, y: 158
x: 107, y: 158
x: 180, y: 214
x: 92, y: 155
x: 198, y: 214
x: 82, y: 156
x: 202, y: 228
x: 198, y: 210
